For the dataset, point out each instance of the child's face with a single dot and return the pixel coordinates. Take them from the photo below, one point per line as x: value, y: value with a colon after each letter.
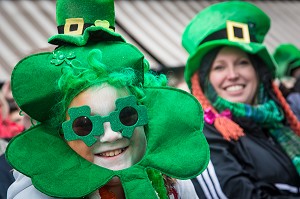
x: 112, y: 150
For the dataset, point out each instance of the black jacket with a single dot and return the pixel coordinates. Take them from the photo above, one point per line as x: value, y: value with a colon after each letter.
x: 255, y: 166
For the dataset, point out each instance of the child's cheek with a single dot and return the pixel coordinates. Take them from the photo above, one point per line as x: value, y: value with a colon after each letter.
x: 82, y: 149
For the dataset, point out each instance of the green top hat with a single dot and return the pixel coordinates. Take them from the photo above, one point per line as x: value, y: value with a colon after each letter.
x: 233, y: 23
x: 287, y: 57
x: 80, y: 21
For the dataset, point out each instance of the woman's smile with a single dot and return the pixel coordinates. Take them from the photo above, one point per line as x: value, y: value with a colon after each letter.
x: 234, y: 88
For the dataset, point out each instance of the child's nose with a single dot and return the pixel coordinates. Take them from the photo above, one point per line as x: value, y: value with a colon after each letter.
x: 109, y: 135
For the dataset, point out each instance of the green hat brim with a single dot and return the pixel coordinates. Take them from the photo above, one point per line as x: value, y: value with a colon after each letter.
x: 34, y: 79
x: 287, y: 57
x: 293, y: 66
x: 92, y: 33
x: 176, y: 146
x: 194, y: 60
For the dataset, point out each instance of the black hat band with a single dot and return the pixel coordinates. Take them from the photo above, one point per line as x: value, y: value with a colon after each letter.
x: 236, y: 33
x: 74, y: 27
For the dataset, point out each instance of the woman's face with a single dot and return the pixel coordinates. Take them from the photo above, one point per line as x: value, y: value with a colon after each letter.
x: 233, y: 76
x: 111, y: 150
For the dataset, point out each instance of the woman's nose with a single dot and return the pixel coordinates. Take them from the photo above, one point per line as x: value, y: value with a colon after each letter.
x: 109, y: 135
x: 232, y: 74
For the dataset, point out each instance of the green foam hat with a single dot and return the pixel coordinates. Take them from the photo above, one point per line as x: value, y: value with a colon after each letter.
x: 80, y: 21
x: 235, y: 23
x: 34, y: 79
x: 287, y: 57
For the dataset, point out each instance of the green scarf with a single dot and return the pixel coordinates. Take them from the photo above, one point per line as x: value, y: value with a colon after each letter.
x: 270, y: 116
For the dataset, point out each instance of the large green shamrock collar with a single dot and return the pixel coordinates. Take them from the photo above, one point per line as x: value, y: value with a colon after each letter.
x: 176, y: 146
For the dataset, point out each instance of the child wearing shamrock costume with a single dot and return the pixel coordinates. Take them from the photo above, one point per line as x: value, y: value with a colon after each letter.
x: 108, y: 128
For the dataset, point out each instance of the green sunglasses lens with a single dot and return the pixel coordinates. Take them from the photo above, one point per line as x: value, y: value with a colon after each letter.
x: 82, y: 126
x: 128, y: 116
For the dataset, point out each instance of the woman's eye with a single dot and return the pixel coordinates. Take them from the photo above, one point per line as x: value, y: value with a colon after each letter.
x: 82, y: 126
x: 218, y: 67
x: 244, y: 62
x: 128, y: 116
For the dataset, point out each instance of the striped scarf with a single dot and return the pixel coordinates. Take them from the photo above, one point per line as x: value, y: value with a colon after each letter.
x: 270, y: 116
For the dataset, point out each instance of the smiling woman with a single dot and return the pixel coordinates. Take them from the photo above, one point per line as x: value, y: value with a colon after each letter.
x: 251, y: 130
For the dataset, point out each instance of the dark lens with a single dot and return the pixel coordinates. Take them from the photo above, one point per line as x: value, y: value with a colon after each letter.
x: 82, y: 126
x: 128, y: 116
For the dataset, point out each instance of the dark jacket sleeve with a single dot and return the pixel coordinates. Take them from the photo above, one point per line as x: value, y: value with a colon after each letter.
x: 234, y: 180
x: 294, y: 100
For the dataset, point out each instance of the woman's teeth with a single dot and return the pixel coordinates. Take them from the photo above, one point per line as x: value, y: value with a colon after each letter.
x: 112, y: 153
x: 234, y: 88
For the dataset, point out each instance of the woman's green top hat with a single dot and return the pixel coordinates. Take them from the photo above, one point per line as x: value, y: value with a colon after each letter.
x: 234, y: 23
x: 80, y: 21
x: 287, y: 57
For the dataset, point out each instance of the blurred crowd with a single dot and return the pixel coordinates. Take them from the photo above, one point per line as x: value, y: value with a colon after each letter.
x: 12, y: 122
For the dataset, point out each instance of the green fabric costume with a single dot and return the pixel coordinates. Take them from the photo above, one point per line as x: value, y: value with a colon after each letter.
x: 175, y: 143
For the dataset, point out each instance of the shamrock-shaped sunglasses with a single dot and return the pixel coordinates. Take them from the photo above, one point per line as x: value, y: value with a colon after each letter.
x: 83, y: 126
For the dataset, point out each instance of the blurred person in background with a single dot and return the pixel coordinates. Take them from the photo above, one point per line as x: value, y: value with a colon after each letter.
x: 8, y: 129
x: 14, y: 110
x: 287, y: 57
